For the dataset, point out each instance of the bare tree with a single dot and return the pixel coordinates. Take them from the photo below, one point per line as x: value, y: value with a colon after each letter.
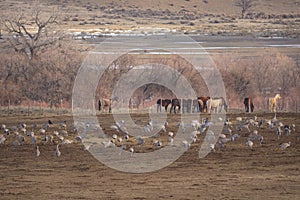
x: 245, y: 5
x: 31, y: 33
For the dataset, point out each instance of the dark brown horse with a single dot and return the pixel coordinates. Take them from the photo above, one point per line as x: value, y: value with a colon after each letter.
x: 202, y: 101
x: 163, y: 102
x: 249, y: 106
x: 175, y: 103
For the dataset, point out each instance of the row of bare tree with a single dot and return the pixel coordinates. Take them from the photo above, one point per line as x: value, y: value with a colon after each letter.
x: 39, y: 63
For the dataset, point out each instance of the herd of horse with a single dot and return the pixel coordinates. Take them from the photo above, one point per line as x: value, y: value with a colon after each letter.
x: 201, y: 104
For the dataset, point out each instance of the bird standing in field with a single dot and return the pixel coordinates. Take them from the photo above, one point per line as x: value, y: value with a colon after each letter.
x: 250, y: 144
x: 57, y: 151
x: 37, y: 151
x: 284, y: 145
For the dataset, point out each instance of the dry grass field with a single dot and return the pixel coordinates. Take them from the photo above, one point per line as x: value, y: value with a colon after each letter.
x: 234, y: 172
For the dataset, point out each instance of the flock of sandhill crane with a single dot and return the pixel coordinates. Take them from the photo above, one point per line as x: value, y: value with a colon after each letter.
x: 57, y: 134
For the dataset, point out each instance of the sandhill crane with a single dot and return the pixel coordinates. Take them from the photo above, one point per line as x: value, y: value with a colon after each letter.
x: 234, y: 137
x: 284, y: 145
x: 212, y: 147
x: 163, y: 127
x: 78, y: 138
x: 287, y: 130
x: 186, y: 144
x: 126, y: 137
x: 63, y: 125
x: 278, y: 132
x: 249, y: 143
x: 2, y: 139
x: 37, y: 151
x: 131, y: 150
x: 260, y: 138
x: 140, y: 140
x: 57, y: 151
x: 115, y: 128
x: 33, y: 139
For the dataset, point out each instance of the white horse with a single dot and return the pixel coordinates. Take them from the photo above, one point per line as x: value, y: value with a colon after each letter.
x: 273, y: 103
x: 218, y: 104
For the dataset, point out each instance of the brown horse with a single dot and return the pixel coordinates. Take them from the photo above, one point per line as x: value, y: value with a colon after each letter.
x: 273, y: 103
x: 104, y: 104
x: 202, y: 101
x: 249, y: 106
x: 163, y: 102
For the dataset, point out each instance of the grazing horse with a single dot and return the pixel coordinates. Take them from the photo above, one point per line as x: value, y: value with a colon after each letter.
x: 202, y: 101
x: 249, y: 106
x: 163, y: 102
x: 104, y: 104
x: 175, y: 103
x: 216, y: 103
x: 273, y: 103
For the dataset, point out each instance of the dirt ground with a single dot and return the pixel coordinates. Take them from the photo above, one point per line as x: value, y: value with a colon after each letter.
x: 234, y: 172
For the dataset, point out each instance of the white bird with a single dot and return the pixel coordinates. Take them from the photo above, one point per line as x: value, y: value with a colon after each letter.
x: 67, y: 142
x: 126, y: 137
x: 37, y: 151
x: 212, y: 147
x: 249, y: 143
x: 63, y: 132
x: 3, y: 126
x: 163, y: 127
x: 50, y: 138
x: 78, y: 138
x: 114, y: 136
x: 42, y: 131
x: 2, y: 139
x: 255, y: 132
x: 55, y: 133
x: 223, y: 136
x: 114, y: 127
x: 278, y: 132
x: 194, y: 134
x: 119, y: 140
x: 186, y: 144
x: 284, y: 145
x: 57, y: 151
x: 6, y: 132
x: 246, y: 126
x: 131, y: 150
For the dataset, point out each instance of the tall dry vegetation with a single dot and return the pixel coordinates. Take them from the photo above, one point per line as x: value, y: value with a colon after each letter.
x: 260, y: 77
x: 38, y: 61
